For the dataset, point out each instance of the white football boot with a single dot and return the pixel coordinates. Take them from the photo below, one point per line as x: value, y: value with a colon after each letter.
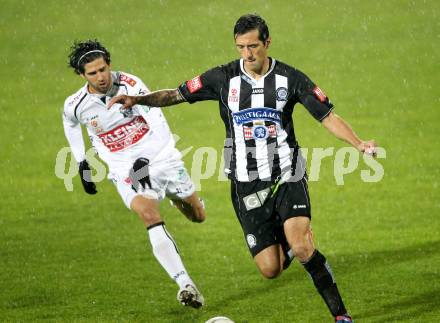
x: 190, y: 296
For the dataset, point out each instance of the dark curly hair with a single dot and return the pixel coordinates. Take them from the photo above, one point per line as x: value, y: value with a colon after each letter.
x: 83, y: 52
x: 250, y: 22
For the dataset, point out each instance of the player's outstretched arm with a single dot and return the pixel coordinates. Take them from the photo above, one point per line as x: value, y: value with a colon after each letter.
x: 161, y: 98
x: 342, y: 130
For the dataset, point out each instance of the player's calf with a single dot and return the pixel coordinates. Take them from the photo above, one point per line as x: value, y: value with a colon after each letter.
x: 147, y: 209
x: 322, y: 276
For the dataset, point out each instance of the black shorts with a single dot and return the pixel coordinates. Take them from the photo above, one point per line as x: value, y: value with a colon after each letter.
x: 262, y: 223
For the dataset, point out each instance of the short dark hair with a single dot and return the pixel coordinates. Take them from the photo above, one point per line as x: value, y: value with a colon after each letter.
x: 83, y: 52
x: 250, y: 22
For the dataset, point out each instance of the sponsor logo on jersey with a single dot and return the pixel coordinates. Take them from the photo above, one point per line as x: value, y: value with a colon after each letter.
x: 258, y: 91
x: 282, y: 94
x: 127, y: 79
x: 257, y: 114
x: 194, y: 85
x: 93, y: 121
x: 259, y: 132
x: 125, y: 135
x: 319, y: 94
x: 233, y: 97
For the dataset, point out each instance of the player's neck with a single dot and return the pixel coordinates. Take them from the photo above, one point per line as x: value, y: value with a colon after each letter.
x: 259, y: 73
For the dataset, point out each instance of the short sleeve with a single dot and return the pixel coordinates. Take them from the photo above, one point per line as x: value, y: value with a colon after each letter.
x: 133, y: 84
x: 203, y: 87
x: 141, y: 88
x: 312, y: 97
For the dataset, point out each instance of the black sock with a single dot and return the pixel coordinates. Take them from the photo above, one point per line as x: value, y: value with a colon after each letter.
x: 321, y: 274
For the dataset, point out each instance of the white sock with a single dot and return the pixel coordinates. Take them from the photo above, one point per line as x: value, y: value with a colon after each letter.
x: 165, y: 251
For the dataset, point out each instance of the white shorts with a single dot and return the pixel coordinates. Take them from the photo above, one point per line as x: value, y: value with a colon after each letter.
x: 168, y: 177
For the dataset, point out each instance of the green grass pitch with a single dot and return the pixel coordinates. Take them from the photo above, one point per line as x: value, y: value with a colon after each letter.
x: 67, y: 256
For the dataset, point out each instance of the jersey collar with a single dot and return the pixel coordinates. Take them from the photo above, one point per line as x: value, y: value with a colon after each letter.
x: 272, y: 65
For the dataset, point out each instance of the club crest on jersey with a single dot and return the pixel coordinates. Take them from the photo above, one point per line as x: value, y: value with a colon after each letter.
x: 194, y: 85
x: 127, y: 113
x: 282, y: 94
x: 256, y: 114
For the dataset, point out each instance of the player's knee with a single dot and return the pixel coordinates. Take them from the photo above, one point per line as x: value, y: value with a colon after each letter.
x: 270, y: 271
x: 302, y: 249
x: 194, y: 211
x: 199, y: 214
x: 197, y: 207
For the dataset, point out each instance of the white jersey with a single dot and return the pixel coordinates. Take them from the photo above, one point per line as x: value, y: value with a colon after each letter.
x: 119, y: 136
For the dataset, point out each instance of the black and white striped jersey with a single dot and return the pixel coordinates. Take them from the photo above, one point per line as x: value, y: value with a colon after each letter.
x: 260, y: 138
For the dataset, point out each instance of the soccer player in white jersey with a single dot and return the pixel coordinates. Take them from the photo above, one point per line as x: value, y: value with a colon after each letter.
x: 140, y: 152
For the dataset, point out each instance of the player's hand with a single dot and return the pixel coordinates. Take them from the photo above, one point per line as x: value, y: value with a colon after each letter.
x: 368, y: 147
x: 126, y: 101
x: 86, y: 177
x: 140, y: 175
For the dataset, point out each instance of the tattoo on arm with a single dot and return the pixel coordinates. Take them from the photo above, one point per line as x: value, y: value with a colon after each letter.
x: 161, y: 98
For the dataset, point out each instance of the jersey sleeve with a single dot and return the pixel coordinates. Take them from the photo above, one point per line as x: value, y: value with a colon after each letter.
x: 140, y: 88
x: 206, y: 86
x: 73, y: 133
x: 312, y: 97
x: 133, y: 84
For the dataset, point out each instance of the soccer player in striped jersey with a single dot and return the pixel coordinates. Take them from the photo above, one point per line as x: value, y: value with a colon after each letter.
x: 256, y: 96
x: 139, y: 149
